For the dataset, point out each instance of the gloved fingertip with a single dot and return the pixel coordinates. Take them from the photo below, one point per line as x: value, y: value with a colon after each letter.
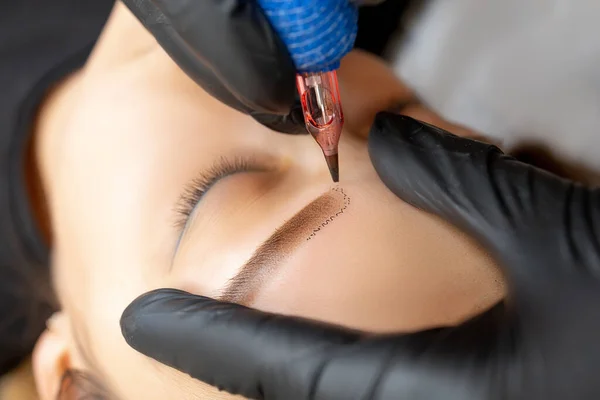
x: 292, y: 123
x: 393, y: 124
x: 391, y: 129
x: 147, y: 306
x: 296, y: 117
x: 399, y: 129
x: 130, y: 324
x: 129, y: 321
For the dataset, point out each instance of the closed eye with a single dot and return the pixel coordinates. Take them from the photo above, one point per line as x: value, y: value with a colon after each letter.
x: 199, y: 187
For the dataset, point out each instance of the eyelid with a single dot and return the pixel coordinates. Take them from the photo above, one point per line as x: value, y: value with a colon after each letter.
x: 199, y: 187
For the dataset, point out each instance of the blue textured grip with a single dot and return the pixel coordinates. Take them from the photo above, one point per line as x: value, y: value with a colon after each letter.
x: 317, y: 33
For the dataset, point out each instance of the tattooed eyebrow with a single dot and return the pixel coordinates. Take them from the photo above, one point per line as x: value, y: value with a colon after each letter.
x: 270, y: 255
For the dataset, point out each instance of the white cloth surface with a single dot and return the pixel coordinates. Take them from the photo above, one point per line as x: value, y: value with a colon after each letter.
x: 515, y: 70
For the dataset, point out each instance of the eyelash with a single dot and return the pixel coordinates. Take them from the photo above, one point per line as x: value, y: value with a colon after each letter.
x: 197, y: 188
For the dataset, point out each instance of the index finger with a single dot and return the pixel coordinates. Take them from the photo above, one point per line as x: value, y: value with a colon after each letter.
x: 235, y: 348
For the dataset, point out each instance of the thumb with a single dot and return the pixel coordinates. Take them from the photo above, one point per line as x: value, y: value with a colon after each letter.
x: 438, y: 172
x: 525, y: 216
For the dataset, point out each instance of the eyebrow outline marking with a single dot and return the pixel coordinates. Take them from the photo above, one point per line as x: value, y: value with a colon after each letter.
x: 346, y: 201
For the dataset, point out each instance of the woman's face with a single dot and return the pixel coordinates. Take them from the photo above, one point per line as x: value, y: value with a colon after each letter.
x: 152, y: 183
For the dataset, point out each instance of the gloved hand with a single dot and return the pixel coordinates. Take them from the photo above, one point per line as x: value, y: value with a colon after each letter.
x: 541, y: 345
x: 231, y: 49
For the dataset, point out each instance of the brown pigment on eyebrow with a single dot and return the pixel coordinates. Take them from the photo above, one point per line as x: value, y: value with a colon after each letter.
x: 268, y: 257
x: 346, y: 203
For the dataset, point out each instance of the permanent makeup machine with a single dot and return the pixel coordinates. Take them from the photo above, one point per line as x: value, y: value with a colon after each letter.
x: 318, y: 33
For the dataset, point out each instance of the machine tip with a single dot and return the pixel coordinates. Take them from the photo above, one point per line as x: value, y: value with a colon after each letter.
x: 334, y: 169
x: 323, y: 116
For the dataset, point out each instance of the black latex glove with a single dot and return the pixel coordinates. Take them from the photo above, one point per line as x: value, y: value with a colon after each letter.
x: 543, y: 345
x: 229, y: 48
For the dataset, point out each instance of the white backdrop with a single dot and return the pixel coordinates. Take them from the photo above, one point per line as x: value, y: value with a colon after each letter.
x: 511, y: 69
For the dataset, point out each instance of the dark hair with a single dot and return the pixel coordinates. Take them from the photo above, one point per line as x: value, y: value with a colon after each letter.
x: 79, y: 385
x: 75, y: 384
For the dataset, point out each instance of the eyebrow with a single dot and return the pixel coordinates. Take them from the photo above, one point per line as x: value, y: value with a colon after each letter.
x: 303, y: 226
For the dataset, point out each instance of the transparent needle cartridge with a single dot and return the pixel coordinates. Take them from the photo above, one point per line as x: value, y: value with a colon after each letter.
x: 320, y: 97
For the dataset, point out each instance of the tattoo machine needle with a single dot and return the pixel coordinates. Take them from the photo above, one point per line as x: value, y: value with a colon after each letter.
x: 322, y: 108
